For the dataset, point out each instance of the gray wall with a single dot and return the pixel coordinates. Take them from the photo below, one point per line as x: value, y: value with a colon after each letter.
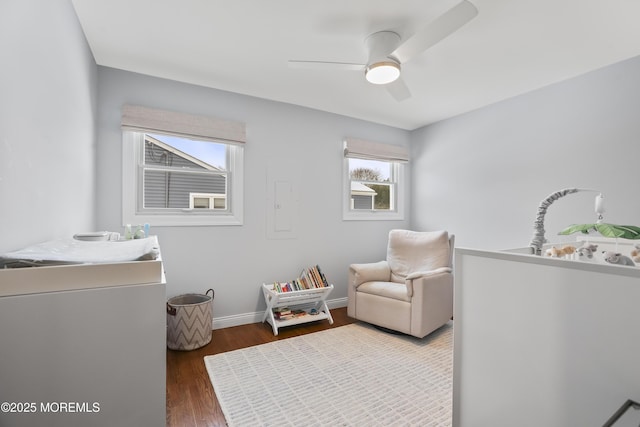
x: 47, y: 127
x: 300, y: 145
x: 483, y: 174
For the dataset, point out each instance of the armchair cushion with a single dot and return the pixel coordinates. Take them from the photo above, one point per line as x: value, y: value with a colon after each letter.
x: 410, y: 251
x: 393, y: 290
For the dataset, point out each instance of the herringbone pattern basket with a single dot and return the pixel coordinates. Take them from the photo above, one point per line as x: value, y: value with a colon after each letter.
x: 189, y: 320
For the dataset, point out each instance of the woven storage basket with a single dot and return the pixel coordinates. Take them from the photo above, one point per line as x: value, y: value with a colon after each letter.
x: 189, y: 318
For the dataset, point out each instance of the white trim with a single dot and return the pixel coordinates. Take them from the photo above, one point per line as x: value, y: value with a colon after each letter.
x: 256, y: 317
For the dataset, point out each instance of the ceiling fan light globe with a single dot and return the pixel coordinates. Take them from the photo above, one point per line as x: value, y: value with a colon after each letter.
x: 381, y: 73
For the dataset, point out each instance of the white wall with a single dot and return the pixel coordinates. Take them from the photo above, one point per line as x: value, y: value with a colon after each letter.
x: 483, y: 174
x: 236, y: 260
x: 47, y: 128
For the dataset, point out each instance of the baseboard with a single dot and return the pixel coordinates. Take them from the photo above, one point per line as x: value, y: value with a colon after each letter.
x: 256, y: 317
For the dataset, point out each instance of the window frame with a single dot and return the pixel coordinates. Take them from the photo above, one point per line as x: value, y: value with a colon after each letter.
x: 398, y: 172
x: 132, y: 190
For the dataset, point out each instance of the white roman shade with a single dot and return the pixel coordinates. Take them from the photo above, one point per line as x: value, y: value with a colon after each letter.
x: 143, y: 119
x: 360, y: 149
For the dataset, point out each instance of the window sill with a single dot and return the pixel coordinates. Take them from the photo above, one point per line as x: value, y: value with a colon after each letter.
x: 186, y: 220
x: 372, y: 216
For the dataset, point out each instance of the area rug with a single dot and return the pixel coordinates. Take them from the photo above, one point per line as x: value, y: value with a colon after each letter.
x: 353, y: 375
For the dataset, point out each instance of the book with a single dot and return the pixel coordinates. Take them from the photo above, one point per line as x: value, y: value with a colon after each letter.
x: 309, y: 278
x: 288, y: 314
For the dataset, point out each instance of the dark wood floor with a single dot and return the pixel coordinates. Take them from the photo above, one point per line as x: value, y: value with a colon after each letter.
x: 191, y: 400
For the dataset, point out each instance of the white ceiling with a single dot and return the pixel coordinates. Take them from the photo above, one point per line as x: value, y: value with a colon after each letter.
x: 511, y: 47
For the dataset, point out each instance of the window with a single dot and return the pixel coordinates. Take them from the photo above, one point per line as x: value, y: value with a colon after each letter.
x: 207, y: 201
x: 178, y: 177
x: 374, y: 180
x: 373, y: 185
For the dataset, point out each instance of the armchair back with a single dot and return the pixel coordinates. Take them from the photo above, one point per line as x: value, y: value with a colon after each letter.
x: 411, y: 251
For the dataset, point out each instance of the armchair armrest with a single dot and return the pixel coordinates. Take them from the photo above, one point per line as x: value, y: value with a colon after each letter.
x: 370, y: 272
x: 425, y: 275
x: 419, y: 274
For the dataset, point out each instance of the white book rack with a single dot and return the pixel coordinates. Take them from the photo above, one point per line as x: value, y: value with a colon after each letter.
x: 308, y: 300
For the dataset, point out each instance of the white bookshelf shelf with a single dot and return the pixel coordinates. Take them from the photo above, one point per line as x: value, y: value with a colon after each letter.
x: 306, y: 299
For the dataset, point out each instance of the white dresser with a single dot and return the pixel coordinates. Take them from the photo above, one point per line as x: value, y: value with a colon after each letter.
x: 542, y: 341
x: 83, y: 345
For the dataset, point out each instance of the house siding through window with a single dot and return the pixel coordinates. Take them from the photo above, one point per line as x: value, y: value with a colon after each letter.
x: 169, y: 189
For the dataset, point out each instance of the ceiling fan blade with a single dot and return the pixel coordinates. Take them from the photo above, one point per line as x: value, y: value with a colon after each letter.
x: 323, y: 65
x: 398, y: 89
x: 443, y: 26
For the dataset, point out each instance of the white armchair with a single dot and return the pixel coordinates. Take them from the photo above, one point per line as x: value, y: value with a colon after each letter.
x: 412, y: 290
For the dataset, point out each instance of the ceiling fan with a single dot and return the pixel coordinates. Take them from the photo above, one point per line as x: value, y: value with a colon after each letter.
x: 387, y: 53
